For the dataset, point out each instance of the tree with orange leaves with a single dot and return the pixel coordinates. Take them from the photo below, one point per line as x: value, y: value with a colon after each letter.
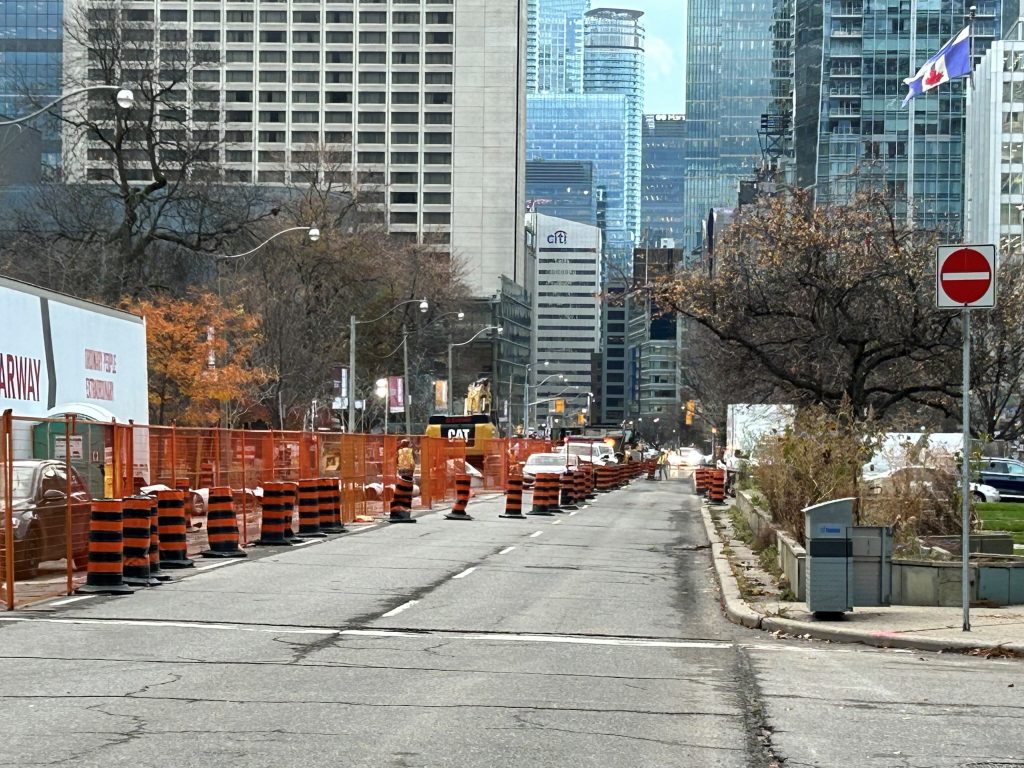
x: 200, y: 352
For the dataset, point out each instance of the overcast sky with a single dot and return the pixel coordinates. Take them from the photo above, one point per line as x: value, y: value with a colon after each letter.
x: 664, y: 21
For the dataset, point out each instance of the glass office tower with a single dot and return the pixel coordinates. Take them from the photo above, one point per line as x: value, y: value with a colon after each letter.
x: 851, y: 131
x: 662, y: 190
x: 554, y: 48
x: 31, y: 38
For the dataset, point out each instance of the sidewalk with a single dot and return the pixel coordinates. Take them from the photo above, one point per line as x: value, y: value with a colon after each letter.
x: 994, y: 631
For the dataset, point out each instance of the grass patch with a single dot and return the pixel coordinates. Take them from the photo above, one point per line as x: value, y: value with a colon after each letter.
x: 740, y: 528
x: 1003, y: 517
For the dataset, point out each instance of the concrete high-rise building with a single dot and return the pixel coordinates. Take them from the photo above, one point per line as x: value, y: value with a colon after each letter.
x: 850, y: 131
x: 31, y: 34
x: 729, y: 78
x: 566, y: 315
x: 995, y: 141
x: 435, y: 147
x: 662, y: 196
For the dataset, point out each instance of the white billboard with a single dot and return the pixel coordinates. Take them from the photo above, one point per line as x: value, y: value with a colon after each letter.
x: 60, y: 351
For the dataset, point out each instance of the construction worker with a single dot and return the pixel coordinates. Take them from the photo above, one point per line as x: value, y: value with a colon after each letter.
x: 663, y: 464
x: 406, y: 460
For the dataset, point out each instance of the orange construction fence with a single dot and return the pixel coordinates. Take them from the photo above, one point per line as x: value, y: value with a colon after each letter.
x: 64, y: 463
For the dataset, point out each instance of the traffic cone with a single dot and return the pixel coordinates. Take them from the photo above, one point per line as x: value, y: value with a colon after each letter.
x: 461, y: 499
x: 579, y: 488
x: 106, y: 550
x: 154, y: 542
x: 543, y: 484
x: 272, y: 523
x: 328, y: 499
x: 567, y: 486
x: 309, y: 509
x: 290, y: 505
x: 221, y: 525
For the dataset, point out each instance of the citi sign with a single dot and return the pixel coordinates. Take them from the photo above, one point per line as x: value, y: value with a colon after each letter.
x: 558, y: 237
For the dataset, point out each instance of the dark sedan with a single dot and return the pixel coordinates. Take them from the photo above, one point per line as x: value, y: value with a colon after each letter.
x: 39, y: 515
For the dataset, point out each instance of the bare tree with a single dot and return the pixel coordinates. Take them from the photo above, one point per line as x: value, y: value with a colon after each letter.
x: 144, y: 184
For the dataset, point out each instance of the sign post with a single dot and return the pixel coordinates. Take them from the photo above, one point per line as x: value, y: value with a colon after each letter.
x: 965, y: 279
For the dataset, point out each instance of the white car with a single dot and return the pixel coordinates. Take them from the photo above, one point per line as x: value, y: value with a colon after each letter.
x: 594, y: 451
x: 547, y: 463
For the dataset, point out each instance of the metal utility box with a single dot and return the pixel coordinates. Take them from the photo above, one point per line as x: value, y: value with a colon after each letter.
x: 871, y: 547
x: 829, y: 556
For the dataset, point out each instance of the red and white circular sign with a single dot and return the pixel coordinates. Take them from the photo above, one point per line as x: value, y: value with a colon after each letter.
x: 965, y: 276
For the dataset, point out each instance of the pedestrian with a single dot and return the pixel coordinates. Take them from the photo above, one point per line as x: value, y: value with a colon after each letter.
x: 663, y: 464
x: 406, y: 460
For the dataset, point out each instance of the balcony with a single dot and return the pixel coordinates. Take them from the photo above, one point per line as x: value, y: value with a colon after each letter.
x: 847, y: 31
x: 844, y: 72
x: 851, y: 10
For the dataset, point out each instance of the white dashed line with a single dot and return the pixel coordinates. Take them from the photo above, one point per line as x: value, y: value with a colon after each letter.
x: 573, y: 512
x: 465, y: 573
x: 70, y: 600
x: 506, y: 550
x: 557, y: 522
x: 219, y: 564
x: 179, y: 625
x: 399, y: 609
x: 535, y: 534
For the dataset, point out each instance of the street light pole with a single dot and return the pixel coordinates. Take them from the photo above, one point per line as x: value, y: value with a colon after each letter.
x: 405, y: 382
x: 125, y: 100
x: 353, y: 322
x: 472, y: 338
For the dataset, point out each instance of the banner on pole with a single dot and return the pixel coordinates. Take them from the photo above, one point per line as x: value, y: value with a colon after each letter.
x: 396, y: 394
x: 440, y: 394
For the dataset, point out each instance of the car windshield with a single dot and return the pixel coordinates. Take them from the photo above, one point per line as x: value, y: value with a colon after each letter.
x: 546, y: 461
x: 22, y: 487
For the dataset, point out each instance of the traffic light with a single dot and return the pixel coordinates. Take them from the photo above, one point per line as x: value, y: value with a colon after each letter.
x: 559, y: 406
x: 691, y: 407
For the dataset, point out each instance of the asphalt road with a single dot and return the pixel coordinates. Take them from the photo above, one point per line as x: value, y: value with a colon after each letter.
x: 586, y: 640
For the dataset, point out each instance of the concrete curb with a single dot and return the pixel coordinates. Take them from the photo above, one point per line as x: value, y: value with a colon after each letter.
x: 739, y: 612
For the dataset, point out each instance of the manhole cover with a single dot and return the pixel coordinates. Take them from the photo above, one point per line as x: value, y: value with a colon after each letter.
x: 993, y: 765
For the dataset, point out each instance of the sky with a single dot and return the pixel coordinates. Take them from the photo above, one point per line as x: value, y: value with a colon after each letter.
x: 664, y: 21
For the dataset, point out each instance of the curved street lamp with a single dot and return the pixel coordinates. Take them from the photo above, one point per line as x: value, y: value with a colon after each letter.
x: 312, y: 233
x: 125, y: 99
x: 424, y: 305
x: 497, y: 328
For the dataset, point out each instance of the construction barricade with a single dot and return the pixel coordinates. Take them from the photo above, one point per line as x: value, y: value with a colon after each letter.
x: 461, y: 500
x: 514, y: 499
x: 716, y: 486
x: 106, y: 550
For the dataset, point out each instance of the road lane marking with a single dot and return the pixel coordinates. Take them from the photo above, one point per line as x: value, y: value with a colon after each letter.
x: 465, y: 573
x: 220, y: 564
x: 399, y: 609
x: 178, y: 625
x: 535, y: 534
x: 506, y: 550
x: 557, y: 522
x: 306, y: 543
x: 624, y: 642
x: 573, y: 512
x: 70, y: 600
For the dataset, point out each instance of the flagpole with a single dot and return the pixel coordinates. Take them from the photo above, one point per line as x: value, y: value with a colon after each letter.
x: 910, y: 118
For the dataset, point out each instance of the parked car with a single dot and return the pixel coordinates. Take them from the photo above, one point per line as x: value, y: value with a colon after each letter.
x: 552, y: 463
x: 1005, y: 475
x: 596, y: 452
x: 926, y: 480
x: 39, y: 515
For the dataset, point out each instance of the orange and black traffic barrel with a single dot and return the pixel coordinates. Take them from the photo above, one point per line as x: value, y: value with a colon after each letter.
x: 461, y: 499
x: 154, y: 542
x: 272, y: 523
x: 106, y: 550
x: 135, y: 531
x: 514, y: 499
x: 401, y: 505
x: 329, y: 501
x: 171, y: 530
x: 543, y: 484
x: 568, y: 489
x: 221, y: 525
x: 290, y: 503
x: 579, y: 485
x: 309, y: 509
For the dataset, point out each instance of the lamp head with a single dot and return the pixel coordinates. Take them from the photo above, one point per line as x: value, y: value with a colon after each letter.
x: 125, y: 98
x: 314, y: 234
x: 424, y: 305
x: 461, y: 315
x: 500, y: 330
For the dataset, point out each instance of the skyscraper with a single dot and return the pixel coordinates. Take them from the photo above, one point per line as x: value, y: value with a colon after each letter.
x: 554, y: 50
x: 30, y: 64
x: 375, y: 86
x: 662, y: 188
x: 851, y: 131
x: 729, y: 75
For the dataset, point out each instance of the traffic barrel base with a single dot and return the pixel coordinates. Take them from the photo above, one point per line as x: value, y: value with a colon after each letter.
x: 461, y: 499
x: 172, y: 531
x: 400, y: 510
x: 221, y: 525
x: 106, y: 550
x: 514, y: 499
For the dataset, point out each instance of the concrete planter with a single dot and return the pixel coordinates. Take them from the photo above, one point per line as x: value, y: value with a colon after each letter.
x: 927, y: 582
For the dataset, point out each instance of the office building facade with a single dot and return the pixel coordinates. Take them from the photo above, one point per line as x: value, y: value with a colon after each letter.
x: 566, y: 316
x: 564, y: 189
x: 367, y: 94
x: 995, y: 138
x: 554, y: 49
x: 851, y: 131
x: 662, y: 198
x: 729, y: 78
x: 31, y: 35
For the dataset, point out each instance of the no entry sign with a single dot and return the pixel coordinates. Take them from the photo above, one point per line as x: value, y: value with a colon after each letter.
x: 965, y: 276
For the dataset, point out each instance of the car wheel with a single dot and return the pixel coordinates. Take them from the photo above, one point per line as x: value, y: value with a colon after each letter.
x: 979, y: 496
x: 27, y: 556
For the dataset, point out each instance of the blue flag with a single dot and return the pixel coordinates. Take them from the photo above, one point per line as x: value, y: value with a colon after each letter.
x: 953, y: 60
